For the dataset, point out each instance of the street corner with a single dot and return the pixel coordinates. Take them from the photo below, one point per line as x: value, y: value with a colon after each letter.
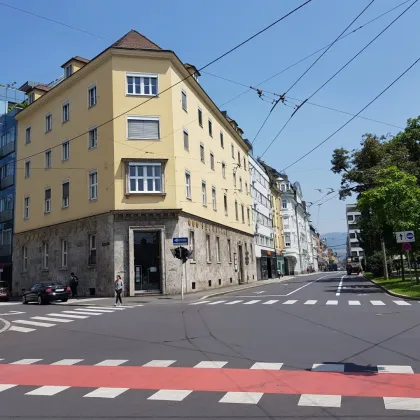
x: 4, y: 325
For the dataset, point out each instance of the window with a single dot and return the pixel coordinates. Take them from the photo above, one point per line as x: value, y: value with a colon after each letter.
x: 225, y: 204
x: 202, y: 152
x: 361, y: 253
x: 204, y: 193
x: 24, y: 258
x: 27, y: 169
x: 352, y: 235
x: 66, y: 112
x: 93, y: 137
x: 354, y: 253
x: 28, y: 135
x: 186, y: 140
x: 234, y: 179
x: 188, y: 185
x: 236, y: 210
x: 48, y: 123
x: 145, y: 178
x: 45, y: 252
x: 248, y: 216
x: 91, y: 96
x: 284, y: 204
x: 223, y: 169
x: 6, y: 203
x: 93, y: 185
x: 350, y: 217
x: 217, y: 249
x: 240, y: 183
x: 210, y: 128
x: 143, y: 128
x: 287, y: 240
x: 245, y: 163
x: 92, y: 250
x: 211, y: 161
x: 63, y: 253
x: 233, y: 150
x: 47, y: 201
x: 283, y: 187
x: 68, y: 70
x: 239, y: 158
x: 243, y: 213
x: 222, y: 143
x: 66, y: 150
x: 66, y: 194
x: 229, y: 250
x: 200, y: 117
x: 48, y: 159
x: 250, y: 251
x: 208, y: 250
x: 192, y: 245
x: 31, y: 98
x: 184, y: 100
x: 26, y: 207
x: 213, y: 198
x: 142, y: 84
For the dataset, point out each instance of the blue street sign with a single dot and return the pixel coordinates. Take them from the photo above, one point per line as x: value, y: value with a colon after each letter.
x: 409, y: 235
x: 179, y: 241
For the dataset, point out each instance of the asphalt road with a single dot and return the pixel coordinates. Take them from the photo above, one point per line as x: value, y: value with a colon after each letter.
x: 323, y: 346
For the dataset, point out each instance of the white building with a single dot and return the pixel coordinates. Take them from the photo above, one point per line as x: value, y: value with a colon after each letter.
x: 353, y: 216
x: 265, y: 252
x: 315, y: 247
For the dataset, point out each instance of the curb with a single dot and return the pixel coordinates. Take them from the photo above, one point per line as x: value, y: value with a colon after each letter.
x: 393, y: 293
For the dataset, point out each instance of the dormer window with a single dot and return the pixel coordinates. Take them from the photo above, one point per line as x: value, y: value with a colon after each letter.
x: 68, y: 70
x: 31, y: 98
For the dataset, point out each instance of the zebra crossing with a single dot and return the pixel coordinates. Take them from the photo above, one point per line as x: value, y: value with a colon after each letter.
x: 310, y: 302
x: 60, y: 318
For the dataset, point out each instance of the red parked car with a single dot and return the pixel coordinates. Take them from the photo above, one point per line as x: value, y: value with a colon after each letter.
x: 4, y: 291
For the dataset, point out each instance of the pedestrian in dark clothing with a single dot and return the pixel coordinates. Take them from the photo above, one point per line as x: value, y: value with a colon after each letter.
x: 74, y: 282
x: 119, y: 287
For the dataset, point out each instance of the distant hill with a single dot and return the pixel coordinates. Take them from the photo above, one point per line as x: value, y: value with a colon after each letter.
x: 337, y: 241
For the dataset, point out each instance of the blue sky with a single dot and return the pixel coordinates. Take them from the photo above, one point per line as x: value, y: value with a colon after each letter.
x: 34, y: 49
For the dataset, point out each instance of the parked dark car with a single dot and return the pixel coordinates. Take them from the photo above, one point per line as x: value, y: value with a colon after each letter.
x: 46, y: 292
x: 4, y: 291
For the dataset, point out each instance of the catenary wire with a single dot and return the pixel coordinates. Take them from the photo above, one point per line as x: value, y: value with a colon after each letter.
x: 185, y: 78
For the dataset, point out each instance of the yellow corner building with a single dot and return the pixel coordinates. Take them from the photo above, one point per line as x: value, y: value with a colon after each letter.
x: 121, y: 155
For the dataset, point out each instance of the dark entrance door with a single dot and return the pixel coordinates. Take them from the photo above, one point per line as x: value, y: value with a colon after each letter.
x: 241, y: 265
x: 286, y: 266
x: 269, y: 268
x: 147, y: 261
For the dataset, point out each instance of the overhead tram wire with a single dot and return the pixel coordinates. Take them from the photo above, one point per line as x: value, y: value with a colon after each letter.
x: 282, y: 97
x: 336, y: 73
x: 185, y: 78
x: 351, y: 119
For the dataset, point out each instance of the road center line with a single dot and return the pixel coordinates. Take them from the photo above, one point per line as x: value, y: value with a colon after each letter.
x: 340, y: 286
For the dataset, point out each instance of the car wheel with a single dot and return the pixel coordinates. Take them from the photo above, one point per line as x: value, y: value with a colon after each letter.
x: 24, y: 301
x: 40, y: 300
x: 64, y: 300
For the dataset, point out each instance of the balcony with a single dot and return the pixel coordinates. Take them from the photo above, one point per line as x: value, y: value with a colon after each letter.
x: 7, y: 149
x: 6, y: 215
x: 5, y: 250
x: 7, y: 181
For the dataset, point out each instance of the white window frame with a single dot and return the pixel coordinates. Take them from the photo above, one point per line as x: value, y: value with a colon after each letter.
x: 64, y: 253
x: 26, y: 207
x: 210, y: 126
x: 202, y: 153
x: 142, y: 76
x: 184, y: 95
x: 47, y: 201
x: 191, y: 239
x: 188, y: 185
x: 222, y: 140
x: 212, y: 161
x: 66, y: 105
x: 28, y: 134
x: 208, y: 248
x: 214, y: 197
x: 200, y: 117
x: 24, y: 258
x: 68, y: 70
x: 187, y: 138
x: 284, y: 204
x: 93, y: 129
x: 93, y: 186
x: 141, y: 118
x: 204, y: 193
x: 229, y: 244
x: 65, y: 204
x: 145, y: 178
x: 65, y: 150
x: 27, y: 168
x: 45, y: 255
x: 48, y: 158
x: 94, y: 102
x: 48, y: 122
x: 217, y: 249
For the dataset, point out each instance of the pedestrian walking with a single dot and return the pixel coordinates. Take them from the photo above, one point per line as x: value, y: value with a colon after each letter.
x: 119, y: 286
x: 74, y: 283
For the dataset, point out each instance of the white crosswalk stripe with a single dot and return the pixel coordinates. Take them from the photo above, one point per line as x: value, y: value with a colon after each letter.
x: 113, y: 308
x: 5, y: 387
x: 159, y: 363
x: 81, y: 312
x: 95, y: 311
x: 44, y: 318
x: 332, y: 302
x: 68, y: 316
x: 270, y: 302
x: 242, y: 397
x: 394, y: 369
x: 267, y: 366
x: 402, y: 303
x: 311, y: 302
x: 106, y: 392
x: 33, y: 323
x: 26, y: 362
x: 354, y: 302
x: 217, y: 302
x: 234, y: 302
x: 289, y: 302
x: 67, y: 362
x: 111, y: 362
x: 311, y: 400
x: 210, y: 365
x: 170, y: 395
x: 47, y: 390
x: 21, y: 329
x: 201, y: 302
x: 377, y: 302
x: 252, y: 302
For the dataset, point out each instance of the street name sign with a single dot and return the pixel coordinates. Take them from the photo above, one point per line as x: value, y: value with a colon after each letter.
x: 407, y: 236
x: 179, y: 241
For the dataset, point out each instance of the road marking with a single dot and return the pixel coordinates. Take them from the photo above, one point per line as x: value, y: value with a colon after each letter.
x: 80, y: 311
x: 69, y: 316
x: 159, y: 363
x: 394, y: 369
x: 95, y: 311
x: 251, y: 302
x: 25, y: 361
x: 314, y: 400
x: 21, y: 329
x: 200, y: 302
x: 34, y: 323
x: 210, y: 365
x: 6, y: 325
x: 67, y: 362
x: 310, y: 302
x: 217, y: 302
x: 170, y: 395
x: 340, y: 286
x: 377, y: 302
x: 354, y: 302
x: 242, y: 397
x: 289, y: 302
x: 106, y: 392
x: 43, y: 318
x: 305, y: 285
x: 111, y: 362
x: 258, y: 293
x: 327, y: 367
x: 113, y: 308
x: 267, y: 366
x: 234, y: 302
x: 270, y: 302
x: 332, y: 302
x: 402, y: 303
x: 5, y: 387
x: 400, y: 403
x: 47, y: 390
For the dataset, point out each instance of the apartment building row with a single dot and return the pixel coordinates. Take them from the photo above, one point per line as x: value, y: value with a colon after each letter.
x: 353, y: 216
x: 127, y: 151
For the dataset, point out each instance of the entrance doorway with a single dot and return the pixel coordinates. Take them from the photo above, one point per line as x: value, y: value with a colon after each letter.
x: 269, y: 268
x: 147, y: 271
x: 240, y: 265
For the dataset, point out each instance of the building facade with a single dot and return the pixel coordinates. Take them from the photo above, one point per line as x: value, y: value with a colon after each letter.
x: 353, y: 216
x: 135, y: 153
x: 265, y: 251
x: 314, y: 248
